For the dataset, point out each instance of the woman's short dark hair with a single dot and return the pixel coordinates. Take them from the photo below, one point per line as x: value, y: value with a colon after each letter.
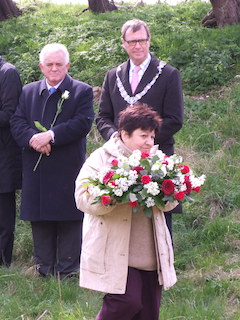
x: 138, y: 116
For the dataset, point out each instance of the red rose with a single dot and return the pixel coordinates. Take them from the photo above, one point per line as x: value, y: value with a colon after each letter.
x: 144, y: 155
x: 168, y: 187
x: 114, y: 162
x: 133, y: 203
x: 188, y: 184
x: 113, y: 183
x: 165, y: 162
x: 184, y: 169
x: 197, y: 189
x: 106, y: 200
x: 179, y: 195
x: 146, y: 179
x: 138, y: 169
x: 108, y: 176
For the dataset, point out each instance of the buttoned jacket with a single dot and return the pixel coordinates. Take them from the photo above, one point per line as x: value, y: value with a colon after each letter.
x: 48, y: 192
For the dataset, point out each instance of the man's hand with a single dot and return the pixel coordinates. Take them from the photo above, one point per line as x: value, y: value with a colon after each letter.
x: 41, y: 142
x: 45, y: 150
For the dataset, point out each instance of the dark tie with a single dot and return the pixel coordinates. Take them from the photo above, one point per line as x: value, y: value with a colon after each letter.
x: 52, y: 89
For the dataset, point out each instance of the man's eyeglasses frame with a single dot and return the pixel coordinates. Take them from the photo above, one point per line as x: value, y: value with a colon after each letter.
x: 132, y: 43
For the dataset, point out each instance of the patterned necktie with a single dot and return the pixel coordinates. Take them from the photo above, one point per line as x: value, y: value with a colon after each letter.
x: 135, y: 79
x: 52, y: 89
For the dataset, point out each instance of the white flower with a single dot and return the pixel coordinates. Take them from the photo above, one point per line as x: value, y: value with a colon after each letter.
x: 132, y: 197
x: 202, y: 179
x: 122, y: 161
x: 160, y: 155
x: 180, y: 177
x: 176, y: 158
x: 65, y: 95
x: 120, y: 171
x: 152, y: 188
x: 156, y: 166
x: 133, y: 175
x: 134, y: 159
x: 179, y: 180
x: 118, y: 192
x: 170, y: 164
x: 183, y: 187
x: 197, y: 182
x: 122, y: 184
x: 137, y: 153
x: 150, y: 202
x: 164, y: 169
x: 96, y: 191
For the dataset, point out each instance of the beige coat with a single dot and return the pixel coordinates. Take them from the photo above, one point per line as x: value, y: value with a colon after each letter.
x: 106, y: 234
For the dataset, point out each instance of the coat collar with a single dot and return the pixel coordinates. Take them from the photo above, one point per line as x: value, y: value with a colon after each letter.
x: 124, y: 76
x: 2, y: 61
x: 63, y: 86
x: 114, y: 147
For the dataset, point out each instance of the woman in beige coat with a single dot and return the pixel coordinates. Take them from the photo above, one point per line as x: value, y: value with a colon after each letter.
x: 124, y: 254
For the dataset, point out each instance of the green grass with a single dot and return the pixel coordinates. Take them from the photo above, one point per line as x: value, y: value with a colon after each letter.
x: 207, y: 235
x: 28, y: 298
x: 205, y: 57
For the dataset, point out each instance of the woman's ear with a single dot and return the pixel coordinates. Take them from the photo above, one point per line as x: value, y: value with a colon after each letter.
x: 124, y: 136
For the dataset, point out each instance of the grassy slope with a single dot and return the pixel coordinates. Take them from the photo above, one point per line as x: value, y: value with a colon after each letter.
x: 207, y: 237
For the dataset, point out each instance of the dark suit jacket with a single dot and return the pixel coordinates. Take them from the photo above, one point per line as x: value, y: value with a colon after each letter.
x: 48, y: 193
x: 10, y: 153
x: 165, y: 97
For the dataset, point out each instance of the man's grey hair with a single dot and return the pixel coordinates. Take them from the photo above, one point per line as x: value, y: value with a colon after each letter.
x: 134, y: 25
x: 53, y: 47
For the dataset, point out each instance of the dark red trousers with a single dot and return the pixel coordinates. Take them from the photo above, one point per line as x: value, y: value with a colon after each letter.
x: 140, y: 302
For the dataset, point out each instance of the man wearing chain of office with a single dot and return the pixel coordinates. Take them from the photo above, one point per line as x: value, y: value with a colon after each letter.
x: 146, y: 79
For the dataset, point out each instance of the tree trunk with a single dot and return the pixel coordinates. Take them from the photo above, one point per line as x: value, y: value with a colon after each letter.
x: 224, y: 12
x: 100, y: 6
x: 8, y: 9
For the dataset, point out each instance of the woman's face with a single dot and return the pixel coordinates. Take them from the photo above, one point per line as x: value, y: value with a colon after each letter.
x: 142, y: 140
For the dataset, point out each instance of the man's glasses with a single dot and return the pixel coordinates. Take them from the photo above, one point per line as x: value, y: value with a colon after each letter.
x: 132, y: 43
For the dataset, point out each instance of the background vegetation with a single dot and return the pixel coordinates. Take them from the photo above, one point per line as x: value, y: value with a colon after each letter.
x: 207, y: 236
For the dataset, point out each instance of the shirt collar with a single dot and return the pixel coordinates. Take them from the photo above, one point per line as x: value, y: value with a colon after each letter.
x: 143, y: 65
x: 56, y: 86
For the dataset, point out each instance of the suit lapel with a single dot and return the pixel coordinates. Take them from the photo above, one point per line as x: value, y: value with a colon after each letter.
x: 148, y: 74
x: 124, y: 76
x: 50, y: 102
x: 148, y: 80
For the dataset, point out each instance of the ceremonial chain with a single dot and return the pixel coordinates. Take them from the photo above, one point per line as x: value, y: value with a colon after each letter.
x: 138, y: 96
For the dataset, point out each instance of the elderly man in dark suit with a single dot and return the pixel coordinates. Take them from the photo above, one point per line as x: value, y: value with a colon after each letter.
x: 53, y: 152
x: 142, y: 78
x: 10, y: 159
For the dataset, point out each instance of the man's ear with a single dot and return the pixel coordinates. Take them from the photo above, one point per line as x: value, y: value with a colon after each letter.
x: 40, y: 66
x: 68, y: 65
